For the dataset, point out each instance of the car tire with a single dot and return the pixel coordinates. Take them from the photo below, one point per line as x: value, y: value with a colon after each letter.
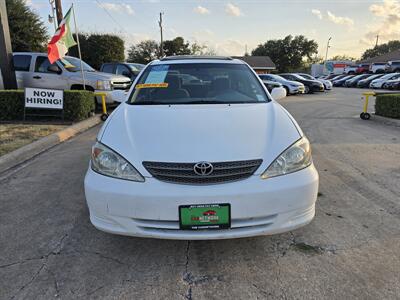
x: 307, y: 90
x: 287, y: 91
x: 365, y: 116
x: 104, y: 117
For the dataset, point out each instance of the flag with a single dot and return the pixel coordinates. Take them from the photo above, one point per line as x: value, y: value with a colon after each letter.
x: 61, y: 41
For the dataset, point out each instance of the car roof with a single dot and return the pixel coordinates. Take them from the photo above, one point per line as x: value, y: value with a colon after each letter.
x: 178, y: 59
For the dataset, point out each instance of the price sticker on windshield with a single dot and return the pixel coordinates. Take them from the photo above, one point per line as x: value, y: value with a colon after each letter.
x: 157, y: 74
x: 151, y: 85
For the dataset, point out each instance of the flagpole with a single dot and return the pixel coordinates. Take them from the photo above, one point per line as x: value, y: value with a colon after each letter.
x: 79, y: 48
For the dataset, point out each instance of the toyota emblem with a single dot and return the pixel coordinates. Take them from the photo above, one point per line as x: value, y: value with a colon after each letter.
x: 203, y: 168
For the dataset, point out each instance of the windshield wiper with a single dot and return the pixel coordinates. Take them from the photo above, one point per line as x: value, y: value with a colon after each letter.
x: 202, y: 102
x: 150, y: 103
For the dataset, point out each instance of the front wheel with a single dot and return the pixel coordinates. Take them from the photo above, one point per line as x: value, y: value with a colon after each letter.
x: 365, y: 116
x: 306, y: 90
x: 104, y: 117
x: 287, y: 90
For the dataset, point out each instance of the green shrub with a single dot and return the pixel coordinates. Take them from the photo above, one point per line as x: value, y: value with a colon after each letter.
x: 77, y: 105
x: 388, y: 105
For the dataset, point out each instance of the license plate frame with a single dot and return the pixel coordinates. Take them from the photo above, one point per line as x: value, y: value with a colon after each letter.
x: 206, y: 214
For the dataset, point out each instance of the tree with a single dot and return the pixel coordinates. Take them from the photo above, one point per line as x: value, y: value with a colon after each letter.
x: 177, y: 46
x: 288, y: 53
x: 99, y: 48
x: 343, y: 57
x: 197, y: 49
x: 143, y: 52
x: 27, y: 31
x: 381, y: 49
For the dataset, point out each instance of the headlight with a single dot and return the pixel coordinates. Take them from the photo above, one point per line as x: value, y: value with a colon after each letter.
x: 104, y: 85
x: 109, y: 163
x: 294, y: 158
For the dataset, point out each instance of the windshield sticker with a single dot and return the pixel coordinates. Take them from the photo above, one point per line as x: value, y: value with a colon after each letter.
x: 260, y: 97
x: 151, y: 85
x: 157, y: 74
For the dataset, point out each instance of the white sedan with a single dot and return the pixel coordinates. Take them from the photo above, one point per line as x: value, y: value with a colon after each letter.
x: 213, y: 157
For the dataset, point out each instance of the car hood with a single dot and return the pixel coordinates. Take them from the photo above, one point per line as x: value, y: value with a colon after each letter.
x: 194, y: 133
x: 103, y: 76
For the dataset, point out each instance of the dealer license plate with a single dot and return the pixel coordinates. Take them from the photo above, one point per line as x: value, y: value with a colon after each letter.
x: 205, y: 216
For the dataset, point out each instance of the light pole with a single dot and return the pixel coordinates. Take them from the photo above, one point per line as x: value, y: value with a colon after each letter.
x: 327, y: 48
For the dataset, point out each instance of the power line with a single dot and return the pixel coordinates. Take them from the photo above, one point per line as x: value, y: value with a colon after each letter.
x: 112, y: 18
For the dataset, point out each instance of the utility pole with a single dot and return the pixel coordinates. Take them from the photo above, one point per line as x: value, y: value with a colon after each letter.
x: 377, y: 40
x: 161, y: 34
x: 6, y: 57
x: 59, y: 12
x: 52, y: 17
x: 327, y: 48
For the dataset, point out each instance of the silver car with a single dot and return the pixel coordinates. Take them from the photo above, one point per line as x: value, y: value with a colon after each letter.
x: 35, y: 70
x: 291, y: 87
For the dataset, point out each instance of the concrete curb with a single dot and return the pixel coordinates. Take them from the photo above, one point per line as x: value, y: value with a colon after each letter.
x: 386, y: 121
x: 24, y: 153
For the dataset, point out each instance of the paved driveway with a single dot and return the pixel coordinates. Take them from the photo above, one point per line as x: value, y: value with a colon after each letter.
x: 48, y: 248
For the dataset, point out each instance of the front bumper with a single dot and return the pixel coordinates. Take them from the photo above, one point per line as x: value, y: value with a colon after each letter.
x: 296, y: 90
x: 150, y: 209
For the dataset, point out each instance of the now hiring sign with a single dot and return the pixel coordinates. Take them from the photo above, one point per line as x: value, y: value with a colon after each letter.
x: 44, y: 98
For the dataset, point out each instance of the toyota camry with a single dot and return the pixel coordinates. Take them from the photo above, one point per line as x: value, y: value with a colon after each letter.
x: 199, y: 149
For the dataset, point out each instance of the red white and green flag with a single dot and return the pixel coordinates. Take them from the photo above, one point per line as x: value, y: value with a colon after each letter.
x: 62, y: 40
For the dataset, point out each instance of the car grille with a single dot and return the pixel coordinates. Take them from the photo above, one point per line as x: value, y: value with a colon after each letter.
x: 121, y: 85
x: 183, y: 173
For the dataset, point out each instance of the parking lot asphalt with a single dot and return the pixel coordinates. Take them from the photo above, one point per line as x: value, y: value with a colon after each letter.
x: 49, y: 249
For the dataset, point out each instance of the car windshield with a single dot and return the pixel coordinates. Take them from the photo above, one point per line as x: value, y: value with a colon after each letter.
x: 198, y: 83
x: 387, y: 76
x: 299, y: 77
x: 73, y: 64
x: 306, y: 76
x: 374, y: 76
x: 277, y: 77
x: 136, y: 67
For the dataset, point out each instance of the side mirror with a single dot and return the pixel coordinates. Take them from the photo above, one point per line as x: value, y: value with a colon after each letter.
x: 119, y: 95
x: 54, y: 69
x: 278, y: 93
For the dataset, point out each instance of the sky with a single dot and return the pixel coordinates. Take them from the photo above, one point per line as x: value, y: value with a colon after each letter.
x: 228, y: 27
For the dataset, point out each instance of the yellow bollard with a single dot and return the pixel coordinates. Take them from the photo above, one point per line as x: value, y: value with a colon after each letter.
x: 365, y: 115
x: 104, y: 116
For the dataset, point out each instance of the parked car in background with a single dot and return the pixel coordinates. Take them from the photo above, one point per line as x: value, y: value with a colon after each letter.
x: 291, y: 87
x: 350, y: 69
x: 392, y: 84
x: 130, y: 70
x: 327, y: 83
x: 341, y: 81
x: 337, y: 77
x: 393, y: 66
x: 34, y: 70
x: 364, y: 83
x: 377, y: 68
x: 152, y: 174
x: 270, y: 85
x: 378, y: 83
x: 362, y: 69
x: 352, y: 82
x: 310, y: 86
